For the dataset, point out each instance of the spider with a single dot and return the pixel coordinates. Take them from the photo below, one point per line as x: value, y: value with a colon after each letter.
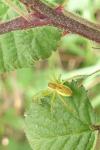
x: 57, y: 88
x: 60, y: 88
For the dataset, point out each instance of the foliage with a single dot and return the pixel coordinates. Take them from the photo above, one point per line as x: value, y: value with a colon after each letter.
x: 64, y: 127
x: 22, y: 48
x: 61, y: 128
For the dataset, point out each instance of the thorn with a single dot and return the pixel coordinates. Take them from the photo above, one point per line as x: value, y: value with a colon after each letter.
x: 59, y: 9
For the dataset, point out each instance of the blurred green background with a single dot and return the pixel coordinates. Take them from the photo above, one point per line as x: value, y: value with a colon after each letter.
x: 76, y: 55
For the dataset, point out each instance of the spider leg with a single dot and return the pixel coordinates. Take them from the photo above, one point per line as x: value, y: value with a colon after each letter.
x: 53, y: 100
x: 70, y: 109
x: 65, y: 104
x: 46, y: 93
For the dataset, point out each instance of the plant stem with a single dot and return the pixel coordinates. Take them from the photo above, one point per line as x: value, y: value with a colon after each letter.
x: 62, y: 19
x: 96, y: 127
x: 20, y: 24
x: 68, y: 21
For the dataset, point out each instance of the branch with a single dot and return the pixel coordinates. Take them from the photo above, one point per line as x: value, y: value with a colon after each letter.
x: 68, y: 21
x: 96, y: 127
x: 64, y: 20
x: 20, y: 23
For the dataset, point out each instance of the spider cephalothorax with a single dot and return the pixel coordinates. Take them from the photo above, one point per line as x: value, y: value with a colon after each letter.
x: 60, y: 88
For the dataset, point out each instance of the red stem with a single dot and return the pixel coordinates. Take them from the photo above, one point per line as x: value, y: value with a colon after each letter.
x: 20, y: 23
x: 68, y: 21
x: 48, y: 16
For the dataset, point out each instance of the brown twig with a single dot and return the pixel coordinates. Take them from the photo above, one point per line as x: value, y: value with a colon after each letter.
x: 68, y: 21
x: 61, y: 19
x: 20, y: 23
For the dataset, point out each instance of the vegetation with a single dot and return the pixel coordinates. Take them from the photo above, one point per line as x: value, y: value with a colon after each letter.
x: 49, y: 75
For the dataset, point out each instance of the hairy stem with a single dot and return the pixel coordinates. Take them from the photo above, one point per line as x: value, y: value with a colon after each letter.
x: 68, y: 21
x: 48, y: 16
x: 20, y: 24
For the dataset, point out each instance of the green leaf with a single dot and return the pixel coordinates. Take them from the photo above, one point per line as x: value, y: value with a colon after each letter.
x: 65, y: 128
x: 21, y: 49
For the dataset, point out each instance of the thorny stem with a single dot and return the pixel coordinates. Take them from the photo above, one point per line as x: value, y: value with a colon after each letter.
x: 68, y: 21
x: 61, y: 19
x: 20, y: 23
